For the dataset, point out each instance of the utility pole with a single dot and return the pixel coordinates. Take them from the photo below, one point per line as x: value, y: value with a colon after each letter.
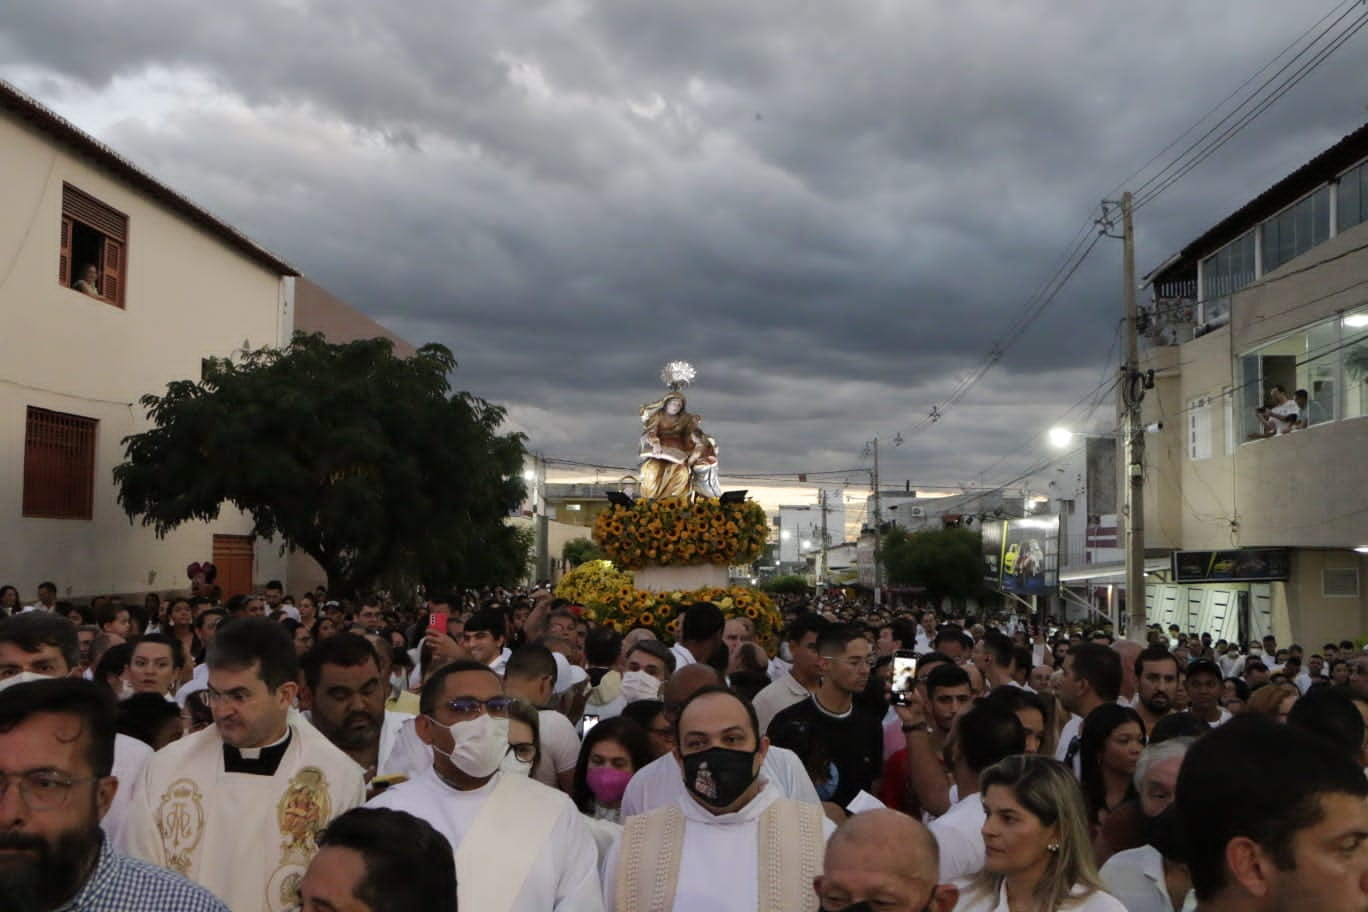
x: 822, y: 574
x: 1132, y: 394
x: 878, y: 530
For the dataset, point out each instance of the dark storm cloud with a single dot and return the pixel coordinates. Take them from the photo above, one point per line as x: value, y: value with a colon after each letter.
x: 834, y: 210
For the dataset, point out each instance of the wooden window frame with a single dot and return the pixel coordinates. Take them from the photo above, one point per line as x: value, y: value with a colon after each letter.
x: 59, y: 465
x: 79, y: 207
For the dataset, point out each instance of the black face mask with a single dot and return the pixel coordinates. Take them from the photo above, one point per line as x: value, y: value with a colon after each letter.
x: 718, y: 776
x: 864, y: 906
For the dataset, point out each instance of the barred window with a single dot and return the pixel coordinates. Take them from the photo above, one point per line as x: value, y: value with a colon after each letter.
x: 59, y: 465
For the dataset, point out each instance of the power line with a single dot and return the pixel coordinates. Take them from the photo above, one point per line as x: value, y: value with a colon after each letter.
x: 1162, y: 180
x: 1220, y: 104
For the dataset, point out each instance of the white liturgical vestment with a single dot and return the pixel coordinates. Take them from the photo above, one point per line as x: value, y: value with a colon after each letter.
x: 246, y: 837
x: 716, y: 862
x: 536, y: 842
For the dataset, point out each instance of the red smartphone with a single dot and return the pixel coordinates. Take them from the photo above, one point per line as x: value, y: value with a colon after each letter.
x: 437, y: 620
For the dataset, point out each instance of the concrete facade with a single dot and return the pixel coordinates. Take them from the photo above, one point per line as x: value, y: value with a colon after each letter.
x: 1208, y: 484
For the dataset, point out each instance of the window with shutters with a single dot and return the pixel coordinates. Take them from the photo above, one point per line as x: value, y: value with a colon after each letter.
x: 59, y: 465
x: 94, y: 247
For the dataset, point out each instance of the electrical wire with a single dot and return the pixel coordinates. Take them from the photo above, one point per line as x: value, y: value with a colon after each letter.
x: 1197, y: 153
x: 1220, y: 104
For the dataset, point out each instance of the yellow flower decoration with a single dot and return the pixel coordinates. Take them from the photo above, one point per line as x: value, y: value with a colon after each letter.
x: 673, y: 532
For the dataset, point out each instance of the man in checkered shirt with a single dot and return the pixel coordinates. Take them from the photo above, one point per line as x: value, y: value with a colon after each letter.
x: 56, y: 753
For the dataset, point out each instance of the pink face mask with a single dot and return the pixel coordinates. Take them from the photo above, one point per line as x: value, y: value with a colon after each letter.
x: 607, y: 783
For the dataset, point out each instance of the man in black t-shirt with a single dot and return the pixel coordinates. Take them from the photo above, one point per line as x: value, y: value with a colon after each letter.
x: 849, y: 735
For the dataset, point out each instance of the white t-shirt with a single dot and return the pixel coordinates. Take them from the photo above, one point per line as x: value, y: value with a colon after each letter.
x: 560, y: 747
x: 958, y: 831
x: 1071, y: 731
x: 1224, y: 718
x: 682, y: 656
x: 778, y: 696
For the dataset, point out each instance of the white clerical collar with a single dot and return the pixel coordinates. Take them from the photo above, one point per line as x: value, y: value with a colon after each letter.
x: 254, y: 753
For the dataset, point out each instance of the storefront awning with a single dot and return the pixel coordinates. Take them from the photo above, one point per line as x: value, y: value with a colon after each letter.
x: 1113, y: 572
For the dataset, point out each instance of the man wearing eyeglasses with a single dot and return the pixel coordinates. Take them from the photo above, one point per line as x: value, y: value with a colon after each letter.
x: 40, y: 643
x: 520, y: 846
x: 852, y: 734
x: 56, y: 759
x: 238, y: 806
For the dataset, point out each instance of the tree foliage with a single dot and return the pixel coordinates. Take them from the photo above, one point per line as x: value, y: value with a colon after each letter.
x: 948, y: 563
x: 785, y: 585
x: 580, y: 550
x: 364, y: 460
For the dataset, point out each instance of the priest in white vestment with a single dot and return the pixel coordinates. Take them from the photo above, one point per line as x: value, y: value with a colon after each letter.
x: 733, y: 843
x: 238, y: 806
x: 520, y: 846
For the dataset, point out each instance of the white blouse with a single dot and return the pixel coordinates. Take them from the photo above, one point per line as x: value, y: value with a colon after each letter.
x: 973, y: 899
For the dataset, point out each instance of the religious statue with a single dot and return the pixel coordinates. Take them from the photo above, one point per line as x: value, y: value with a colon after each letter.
x: 676, y: 455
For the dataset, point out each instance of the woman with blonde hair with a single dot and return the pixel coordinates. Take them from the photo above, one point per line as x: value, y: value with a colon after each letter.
x: 1038, y: 857
x: 1273, y: 700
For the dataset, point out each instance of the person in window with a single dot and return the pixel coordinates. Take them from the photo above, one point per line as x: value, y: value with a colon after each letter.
x: 89, y: 282
x: 1309, y: 411
x: 1281, y: 416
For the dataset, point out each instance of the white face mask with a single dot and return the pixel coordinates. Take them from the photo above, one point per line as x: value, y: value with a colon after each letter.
x: 511, y: 764
x: 479, y: 744
x: 23, y: 677
x: 639, y: 685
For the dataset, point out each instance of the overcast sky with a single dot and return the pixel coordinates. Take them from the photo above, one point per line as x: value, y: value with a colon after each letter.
x: 834, y: 210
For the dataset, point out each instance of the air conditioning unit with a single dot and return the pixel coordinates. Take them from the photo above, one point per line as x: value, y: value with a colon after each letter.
x: 917, y: 512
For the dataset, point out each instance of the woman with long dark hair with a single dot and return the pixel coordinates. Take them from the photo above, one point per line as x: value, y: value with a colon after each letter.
x: 1110, y: 743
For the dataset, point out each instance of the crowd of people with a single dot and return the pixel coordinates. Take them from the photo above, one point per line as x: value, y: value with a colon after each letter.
x: 499, y: 751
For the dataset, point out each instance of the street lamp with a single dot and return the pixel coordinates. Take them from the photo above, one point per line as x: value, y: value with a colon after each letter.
x: 1060, y: 437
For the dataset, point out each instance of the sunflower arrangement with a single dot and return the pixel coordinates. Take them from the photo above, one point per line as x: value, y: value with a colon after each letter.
x: 594, y: 581
x: 609, y: 597
x: 682, y: 532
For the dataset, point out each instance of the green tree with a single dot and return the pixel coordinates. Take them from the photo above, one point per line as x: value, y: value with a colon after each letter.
x: 785, y: 585
x: 948, y: 563
x: 363, y: 460
x: 579, y: 550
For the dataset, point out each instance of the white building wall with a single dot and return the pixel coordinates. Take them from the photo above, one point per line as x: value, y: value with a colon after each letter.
x: 187, y: 296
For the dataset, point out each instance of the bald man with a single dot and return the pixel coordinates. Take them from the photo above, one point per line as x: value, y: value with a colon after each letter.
x: 661, y: 782
x: 1128, y: 650
x: 883, y: 859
